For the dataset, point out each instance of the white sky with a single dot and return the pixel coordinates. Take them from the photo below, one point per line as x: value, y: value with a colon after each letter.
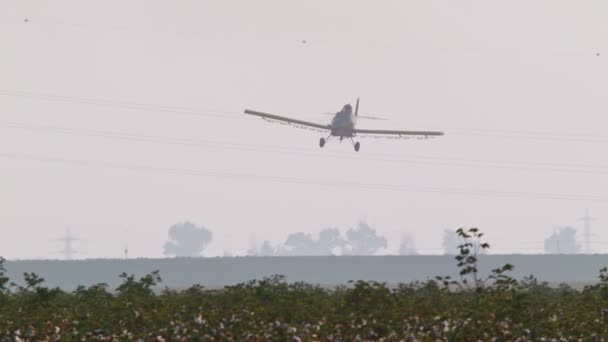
x: 485, y: 72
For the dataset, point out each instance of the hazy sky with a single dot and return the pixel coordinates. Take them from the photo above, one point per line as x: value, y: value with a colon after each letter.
x: 121, y: 118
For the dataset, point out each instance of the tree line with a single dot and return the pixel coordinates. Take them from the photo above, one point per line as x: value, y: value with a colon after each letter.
x: 186, y: 239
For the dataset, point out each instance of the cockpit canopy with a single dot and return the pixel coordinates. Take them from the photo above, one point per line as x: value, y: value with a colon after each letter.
x: 347, y: 109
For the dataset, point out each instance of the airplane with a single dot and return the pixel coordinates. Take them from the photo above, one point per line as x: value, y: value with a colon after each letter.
x: 343, y: 126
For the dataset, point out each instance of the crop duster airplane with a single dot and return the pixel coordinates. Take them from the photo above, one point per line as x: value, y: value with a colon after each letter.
x: 343, y: 126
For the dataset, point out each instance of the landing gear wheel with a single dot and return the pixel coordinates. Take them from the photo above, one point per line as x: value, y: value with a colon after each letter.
x: 357, y: 146
x: 322, y: 142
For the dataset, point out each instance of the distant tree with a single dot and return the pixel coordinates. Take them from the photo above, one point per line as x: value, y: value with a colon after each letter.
x: 450, y: 242
x: 300, y: 244
x: 364, y: 240
x: 187, y: 240
x: 330, y: 239
x: 254, y: 249
x: 407, y: 246
x: 562, y: 241
x: 267, y: 249
x: 304, y: 244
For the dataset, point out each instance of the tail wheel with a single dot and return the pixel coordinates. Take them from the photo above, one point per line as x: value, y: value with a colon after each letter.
x: 357, y: 146
x: 322, y: 142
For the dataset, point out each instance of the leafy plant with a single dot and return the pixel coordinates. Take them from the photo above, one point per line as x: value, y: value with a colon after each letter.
x: 469, y: 251
x: 476, y: 308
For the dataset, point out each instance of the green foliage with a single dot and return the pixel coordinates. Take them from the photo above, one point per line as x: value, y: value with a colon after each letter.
x: 32, y: 281
x: 3, y: 278
x: 467, y: 260
x: 475, y: 308
x: 131, y: 288
x: 4, y: 282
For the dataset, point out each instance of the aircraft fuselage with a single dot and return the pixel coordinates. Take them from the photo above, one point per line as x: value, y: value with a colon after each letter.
x: 343, y: 123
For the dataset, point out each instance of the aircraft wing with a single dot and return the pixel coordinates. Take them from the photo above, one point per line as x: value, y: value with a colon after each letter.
x: 396, y: 134
x: 288, y: 121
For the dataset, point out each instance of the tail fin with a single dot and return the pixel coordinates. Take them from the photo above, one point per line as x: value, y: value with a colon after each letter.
x: 357, y: 108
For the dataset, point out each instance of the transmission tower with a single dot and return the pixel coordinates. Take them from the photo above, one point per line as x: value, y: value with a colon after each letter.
x: 68, y: 249
x: 587, y: 231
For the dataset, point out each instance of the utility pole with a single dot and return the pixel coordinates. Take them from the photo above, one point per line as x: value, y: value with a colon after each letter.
x: 587, y: 231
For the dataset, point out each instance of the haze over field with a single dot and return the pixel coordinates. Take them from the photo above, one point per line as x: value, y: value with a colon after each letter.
x: 119, y: 119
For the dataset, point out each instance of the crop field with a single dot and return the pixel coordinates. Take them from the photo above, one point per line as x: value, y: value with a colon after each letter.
x: 473, y: 307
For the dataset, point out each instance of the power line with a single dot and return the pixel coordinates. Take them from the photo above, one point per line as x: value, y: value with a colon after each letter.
x: 231, y: 114
x: 416, y: 160
x: 122, y: 104
x: 546, y: 136
x: 303, y: 181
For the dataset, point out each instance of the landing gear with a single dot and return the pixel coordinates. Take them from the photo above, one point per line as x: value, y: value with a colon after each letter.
x: 356, y: 145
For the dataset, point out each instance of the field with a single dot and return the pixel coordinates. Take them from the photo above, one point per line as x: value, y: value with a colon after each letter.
x: 470, y: 307
x: 180, y: 273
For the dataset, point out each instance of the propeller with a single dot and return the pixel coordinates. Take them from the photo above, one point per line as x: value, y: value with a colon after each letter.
x: 370, y: 117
